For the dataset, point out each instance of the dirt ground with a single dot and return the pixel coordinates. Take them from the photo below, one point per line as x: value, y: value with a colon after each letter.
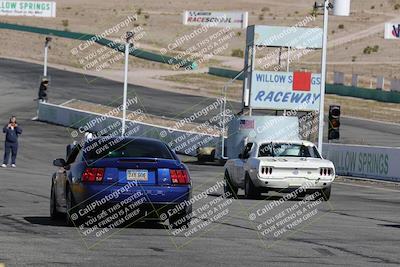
x: 161, y: 24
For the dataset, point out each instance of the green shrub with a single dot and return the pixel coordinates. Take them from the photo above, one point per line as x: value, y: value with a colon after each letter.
x: 371, y: 49
x: 237, y: 52
x: 367, y: 50
x: 65, y: 22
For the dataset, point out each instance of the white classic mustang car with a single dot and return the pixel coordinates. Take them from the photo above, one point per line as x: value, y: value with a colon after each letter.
x: 279, y: 166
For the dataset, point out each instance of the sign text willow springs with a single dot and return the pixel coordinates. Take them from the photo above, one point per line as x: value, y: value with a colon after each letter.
x: 216, y: 19
x: 28, y: 8
x: 364, y: 161
x: 285, y: 90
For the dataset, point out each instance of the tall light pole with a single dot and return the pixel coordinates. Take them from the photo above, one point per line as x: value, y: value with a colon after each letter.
x: 129, y: 36
x: 341, y: 8
x: 46, y: 48
x: 323, y: 75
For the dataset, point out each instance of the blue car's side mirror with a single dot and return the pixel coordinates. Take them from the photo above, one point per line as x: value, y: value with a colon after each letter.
x: 59, y: 163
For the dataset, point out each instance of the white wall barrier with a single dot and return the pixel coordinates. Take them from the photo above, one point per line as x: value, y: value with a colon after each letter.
x: 380, y: 83
x: 338, y: 78
x: 354, y: 80
x: 184, y: 142
x: 381, y: 163
x: 395, y: 85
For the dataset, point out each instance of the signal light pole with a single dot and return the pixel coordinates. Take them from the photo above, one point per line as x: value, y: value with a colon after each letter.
x: 46, y: 48
x: 340, y: 8
x: 128, y: 44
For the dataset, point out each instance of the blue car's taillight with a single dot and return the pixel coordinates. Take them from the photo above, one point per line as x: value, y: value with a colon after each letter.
x: 179, y: 176
x: 93, y: 175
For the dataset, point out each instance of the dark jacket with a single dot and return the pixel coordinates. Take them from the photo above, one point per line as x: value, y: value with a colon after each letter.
x: 12, y: 134
x: 42, y: 92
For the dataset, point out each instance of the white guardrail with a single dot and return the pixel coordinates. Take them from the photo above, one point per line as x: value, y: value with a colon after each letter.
x: 381, y: 163
x: 184, y: 142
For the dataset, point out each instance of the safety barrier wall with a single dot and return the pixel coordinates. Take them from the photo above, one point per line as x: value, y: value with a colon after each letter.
x: 380, y: 163
x: 184, y: 142
x: 105, y: 42
x: 227, y: 73
x: 370, y: 94
x: 342, y: 90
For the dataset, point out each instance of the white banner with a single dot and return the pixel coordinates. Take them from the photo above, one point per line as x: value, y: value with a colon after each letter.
x: 216, y: 19
x: 298, y: 91
x: 277, y: 36
x: 392, y: 31
x: 28, y: 8
x: 380, y: 163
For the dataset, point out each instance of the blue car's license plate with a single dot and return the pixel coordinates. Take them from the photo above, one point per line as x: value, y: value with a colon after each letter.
x: 137, y: 175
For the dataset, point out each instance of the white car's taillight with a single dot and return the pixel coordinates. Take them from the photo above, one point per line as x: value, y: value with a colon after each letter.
x: 326, y: 172
x: 266, y: 170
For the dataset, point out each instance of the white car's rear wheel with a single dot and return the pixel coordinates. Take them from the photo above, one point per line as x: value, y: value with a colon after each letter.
x: 229, y: 189
x: 326, y: 193
x: 250, y: 191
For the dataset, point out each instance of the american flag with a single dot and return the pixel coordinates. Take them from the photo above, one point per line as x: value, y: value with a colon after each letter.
x: 246, y: 124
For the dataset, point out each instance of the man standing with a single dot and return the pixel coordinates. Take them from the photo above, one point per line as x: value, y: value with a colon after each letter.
x: 42, y: 95
x: 12, y: 131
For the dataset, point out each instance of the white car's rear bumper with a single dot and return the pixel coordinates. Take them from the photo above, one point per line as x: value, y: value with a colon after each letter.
x: 293, y: 182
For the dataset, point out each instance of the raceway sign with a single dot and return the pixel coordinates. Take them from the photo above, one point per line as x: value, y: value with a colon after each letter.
x: 216, y: 19
x: 28, y: 8
x: 392, y: 31
x: 285, y: 90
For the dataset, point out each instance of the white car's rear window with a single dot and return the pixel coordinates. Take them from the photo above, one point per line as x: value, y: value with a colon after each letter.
x: 288, y: 150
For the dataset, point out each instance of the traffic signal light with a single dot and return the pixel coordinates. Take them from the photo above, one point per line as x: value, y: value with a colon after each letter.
x: 334, y: 122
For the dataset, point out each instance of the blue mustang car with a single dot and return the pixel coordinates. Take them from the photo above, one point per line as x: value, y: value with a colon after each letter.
x: 105, y: 173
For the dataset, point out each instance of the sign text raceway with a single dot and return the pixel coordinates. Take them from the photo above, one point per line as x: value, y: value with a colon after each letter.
x: 275, y: 90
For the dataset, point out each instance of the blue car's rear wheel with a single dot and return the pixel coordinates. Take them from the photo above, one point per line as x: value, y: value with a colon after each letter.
x: 54, y: 214
x: 70, y: 204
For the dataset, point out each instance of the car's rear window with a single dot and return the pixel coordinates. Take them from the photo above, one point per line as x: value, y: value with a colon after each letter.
x: 125, y: 148
x: 287, y: 150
